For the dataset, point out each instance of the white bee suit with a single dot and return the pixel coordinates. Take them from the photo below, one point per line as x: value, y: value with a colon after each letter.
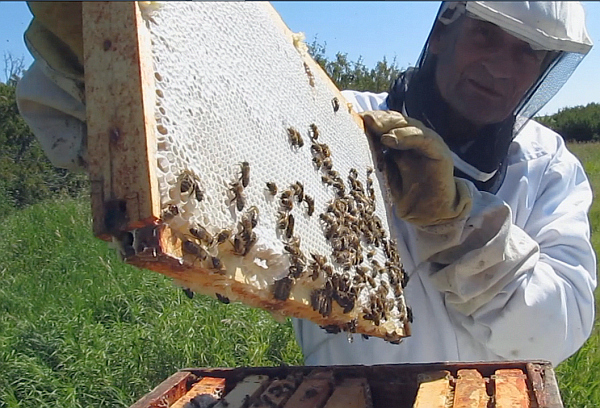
x: 515, y: 280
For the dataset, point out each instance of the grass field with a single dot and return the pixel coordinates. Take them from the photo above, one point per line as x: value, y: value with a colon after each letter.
x: 78, y: 328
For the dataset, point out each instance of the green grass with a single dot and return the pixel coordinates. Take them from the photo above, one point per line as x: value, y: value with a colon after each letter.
x: 577, y: 376
x: 79, y: 328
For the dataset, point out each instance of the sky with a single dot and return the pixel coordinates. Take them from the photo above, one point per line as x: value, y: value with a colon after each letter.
x: 368, y: 29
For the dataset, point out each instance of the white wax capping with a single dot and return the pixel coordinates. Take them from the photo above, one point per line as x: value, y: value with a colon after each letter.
x: 229, y: 86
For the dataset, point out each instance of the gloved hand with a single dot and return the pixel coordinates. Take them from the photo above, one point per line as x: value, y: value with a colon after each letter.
x: 419, y: 169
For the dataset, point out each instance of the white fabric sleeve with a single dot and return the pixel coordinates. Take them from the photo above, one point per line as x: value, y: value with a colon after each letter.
x: 520, y: 292
x: 56, y: 118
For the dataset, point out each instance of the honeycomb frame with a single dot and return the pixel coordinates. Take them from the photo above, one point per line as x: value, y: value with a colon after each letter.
x: 126, y: 198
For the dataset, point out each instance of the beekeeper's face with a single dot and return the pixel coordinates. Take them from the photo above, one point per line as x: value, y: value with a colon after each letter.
x: 482, y: 71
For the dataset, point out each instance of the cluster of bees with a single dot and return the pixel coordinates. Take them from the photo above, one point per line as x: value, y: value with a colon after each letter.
x: 237, y: 187
x: 200, y: 243
x: 285, y: 224
x: 349, y: 224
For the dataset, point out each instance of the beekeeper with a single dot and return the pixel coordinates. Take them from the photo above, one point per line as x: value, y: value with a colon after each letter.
x: 491, y: 206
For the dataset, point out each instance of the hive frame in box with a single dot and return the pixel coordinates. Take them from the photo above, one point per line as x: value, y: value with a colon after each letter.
x: 121, y: 129
x: 391, y: 385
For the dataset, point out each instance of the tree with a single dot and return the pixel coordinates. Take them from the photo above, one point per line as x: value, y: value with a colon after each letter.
x: 26, y: 175
x: 355, y: 75
x: 13, y: 68
x: 580, y: 123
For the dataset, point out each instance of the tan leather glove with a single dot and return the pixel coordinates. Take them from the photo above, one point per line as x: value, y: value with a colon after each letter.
x: 419, y: 170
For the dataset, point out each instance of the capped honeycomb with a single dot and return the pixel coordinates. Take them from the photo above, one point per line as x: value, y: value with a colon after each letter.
x: 265, y: 176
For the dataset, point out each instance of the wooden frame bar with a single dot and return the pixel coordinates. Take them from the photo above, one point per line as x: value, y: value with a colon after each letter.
x: 121, y: 140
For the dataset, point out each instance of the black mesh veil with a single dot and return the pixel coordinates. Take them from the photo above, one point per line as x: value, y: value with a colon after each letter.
x: 558, y: 70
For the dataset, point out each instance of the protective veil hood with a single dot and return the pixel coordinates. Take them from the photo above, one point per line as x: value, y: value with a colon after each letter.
x: 557, y: 27
x: 545, y: 25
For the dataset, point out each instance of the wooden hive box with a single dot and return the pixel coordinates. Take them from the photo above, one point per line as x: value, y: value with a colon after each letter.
x: 514, y: 384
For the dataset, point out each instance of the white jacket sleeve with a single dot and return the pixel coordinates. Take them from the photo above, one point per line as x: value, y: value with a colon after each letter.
x: 55, y: 116
x: 524, y: 292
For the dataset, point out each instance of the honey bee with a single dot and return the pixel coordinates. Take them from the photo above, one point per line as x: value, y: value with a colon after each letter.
x: 362, y: 270
x: 327, y: 163
x: 346, y: 301
x: 369, y: 171
x: 188, y: 292
x: 199, y: 194
x: 194, y: 249
x: 319, y: 260
x: 339, y: 186
x: 272, y: 187
x: 237, y: 189
x: 318, y: 162
x: 295, y: 137
x: 282, y: 220
x: 286, y: 194
x: 353, y: 174
x: 170, y: 212
x: 320, y: 300
x: 409, y: 314
x: 325, y: 150
x: 316, y: 149
x: 286, y: 203
x: 310, y: 202
x: 188, y: 184
x: 250, y: 219
x: 326, y: 179
x: 222, y: 299
x: 293, y: 246
x: 217, y: 265
x: 223, y: 236
x: 318, y: 263
x: 334, y: 175
x: 298, y: 191
x: 335, y: 102
x: 405, y: 279
x: 245, y: 177
x: 370, y: 189
x: 327, y: 218
x: 249, y: 243
x: 314, y: 131
x: 201, y: 233
x: 289, y: 230
x: 238, y: 245
x: 297, y: 268
x: 382, y: 289
x: 253, y: 214
x: 314, y: 271
x: 282, y: 288
x: 309, y: 74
